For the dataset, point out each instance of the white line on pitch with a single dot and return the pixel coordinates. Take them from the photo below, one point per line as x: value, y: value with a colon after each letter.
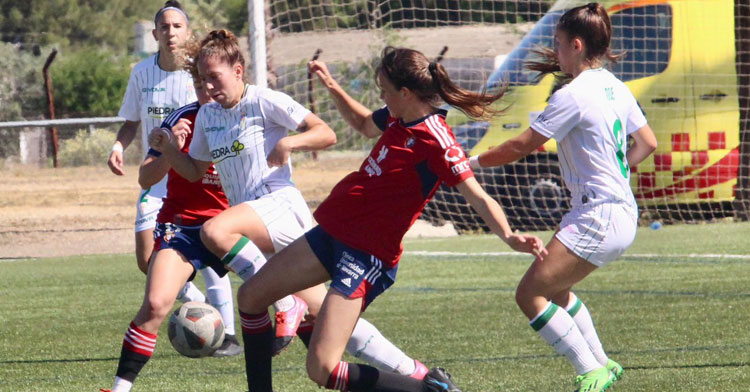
x: 626, y: 256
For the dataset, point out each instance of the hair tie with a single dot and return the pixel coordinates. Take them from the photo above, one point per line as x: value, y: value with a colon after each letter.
x: 592, y: 6
x: 433, y: 68
x: 165, y: 9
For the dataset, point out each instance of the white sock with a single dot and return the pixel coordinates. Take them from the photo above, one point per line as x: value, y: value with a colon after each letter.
x: 368, y: 344
x: 560, y: 331
x: 580, y: 314
x: 121, y: 385
x: 190, y: 293
x: 219, y: 293
x: 245, y: 259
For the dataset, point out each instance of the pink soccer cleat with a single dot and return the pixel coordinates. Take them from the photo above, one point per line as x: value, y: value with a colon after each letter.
x: 287, y: 324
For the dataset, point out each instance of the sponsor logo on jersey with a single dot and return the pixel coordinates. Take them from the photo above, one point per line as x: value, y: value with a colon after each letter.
x: 454, y: 153
x: 160, y: 112
x: 460, y: 167
x: 214, y: 129
x: 373, y: 164
x: 543, y: 120
x: 222, y: 153
x: 153, y: 90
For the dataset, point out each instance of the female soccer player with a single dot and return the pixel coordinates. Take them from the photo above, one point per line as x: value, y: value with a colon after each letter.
x: 157, y: 87
x: 357, y: 244
x: 245, y: 133
x: 590, y: 118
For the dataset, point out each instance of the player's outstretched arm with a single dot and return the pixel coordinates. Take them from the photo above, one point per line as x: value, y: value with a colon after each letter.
x: 356, y: 114
x: 644, y: 143
x: 152, y: 170
x: 125, y: 136
x: 494, y: 217
x: 510, y: 151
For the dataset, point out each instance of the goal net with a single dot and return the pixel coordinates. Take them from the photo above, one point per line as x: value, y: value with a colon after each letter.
x: 686, y: 61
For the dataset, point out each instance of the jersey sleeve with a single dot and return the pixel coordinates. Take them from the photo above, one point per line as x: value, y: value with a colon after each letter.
x: 445, y: 157
x: 281, y: 109
x: 559, y: 117
x: 199, y: 149
x: 131, y: 102
x: 636, y: 118
x: 380, y: 118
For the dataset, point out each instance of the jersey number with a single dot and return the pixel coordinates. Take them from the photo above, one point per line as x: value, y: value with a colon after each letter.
x: 620, y: 139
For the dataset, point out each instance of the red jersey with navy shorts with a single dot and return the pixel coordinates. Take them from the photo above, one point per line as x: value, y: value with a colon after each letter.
x: 371, y: 209
x: 190, y: 203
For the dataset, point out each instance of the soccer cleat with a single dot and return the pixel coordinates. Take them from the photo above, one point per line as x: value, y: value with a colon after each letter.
x: 105, y: 390
x: 287, y: 324
x: 597, y: 380
x: 438, y: 380
x: 229, y: 347
x: 420, y: 370
x: 615, y: 368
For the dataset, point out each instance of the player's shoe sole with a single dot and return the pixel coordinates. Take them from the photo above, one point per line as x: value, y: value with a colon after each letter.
x: 287, y: 324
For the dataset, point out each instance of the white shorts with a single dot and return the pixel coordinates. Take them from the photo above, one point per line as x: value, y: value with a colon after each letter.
x: 600, y: 232
x: 148, y: 208
x: 285, y: 214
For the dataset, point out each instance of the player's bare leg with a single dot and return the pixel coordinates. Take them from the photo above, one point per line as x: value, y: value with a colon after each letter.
x: 552, y: 278
x: 168, y: 272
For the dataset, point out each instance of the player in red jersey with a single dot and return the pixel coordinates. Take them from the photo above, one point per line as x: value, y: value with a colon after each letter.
x: 357, y: 244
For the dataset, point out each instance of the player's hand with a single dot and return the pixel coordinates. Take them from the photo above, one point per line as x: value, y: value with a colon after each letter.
x: 527, y: 244
x: 279, y: 156
x: 320, y: 69
x: 115, y: 163
x: 160, y: 139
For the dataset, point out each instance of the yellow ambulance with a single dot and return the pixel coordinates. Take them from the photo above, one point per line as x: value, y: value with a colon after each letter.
x: 679, y: 64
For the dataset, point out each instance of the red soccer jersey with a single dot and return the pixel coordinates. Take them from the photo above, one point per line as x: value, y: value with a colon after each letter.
x: 190, y: 203
x: 371, y: 209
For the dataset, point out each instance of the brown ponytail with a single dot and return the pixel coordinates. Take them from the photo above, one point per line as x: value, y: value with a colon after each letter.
x: 223, y: 45
x: 588, y: 22
x: 431, y: 83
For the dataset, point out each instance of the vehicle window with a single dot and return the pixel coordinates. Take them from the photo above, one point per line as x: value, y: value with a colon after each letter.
x: 645, y: 34
x: 512, y: 69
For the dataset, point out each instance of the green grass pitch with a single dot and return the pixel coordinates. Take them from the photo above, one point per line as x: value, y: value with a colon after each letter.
x: 674, y: 311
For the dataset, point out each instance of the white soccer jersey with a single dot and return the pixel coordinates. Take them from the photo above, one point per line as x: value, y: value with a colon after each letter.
x: 590, y: 118
x: 238, y: 140
x: 152, y: 94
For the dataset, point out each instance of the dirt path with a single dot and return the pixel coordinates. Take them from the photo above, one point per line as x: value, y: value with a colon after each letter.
x: 88, y: 210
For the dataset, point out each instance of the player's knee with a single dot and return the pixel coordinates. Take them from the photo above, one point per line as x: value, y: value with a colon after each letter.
x: 211, y: 231
x: 156, y: 309
x: 247, y: 301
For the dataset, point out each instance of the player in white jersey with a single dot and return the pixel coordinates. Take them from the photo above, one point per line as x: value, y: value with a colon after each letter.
x: 590, y: 118
x: 158, y: 86
x: 245, y: 133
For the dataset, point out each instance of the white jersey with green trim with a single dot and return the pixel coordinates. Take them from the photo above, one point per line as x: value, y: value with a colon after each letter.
x: 238, y: 140
x: 152, y: 95
x: 590, y: 118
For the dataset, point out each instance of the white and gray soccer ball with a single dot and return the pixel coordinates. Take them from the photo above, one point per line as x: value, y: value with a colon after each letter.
x: 196, y: 329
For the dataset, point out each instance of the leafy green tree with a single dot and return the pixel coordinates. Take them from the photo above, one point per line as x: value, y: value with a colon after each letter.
x: 90, y: 82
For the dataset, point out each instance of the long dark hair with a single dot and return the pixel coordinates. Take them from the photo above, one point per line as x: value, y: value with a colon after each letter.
x: 588, y: 22
x: 431, y: 83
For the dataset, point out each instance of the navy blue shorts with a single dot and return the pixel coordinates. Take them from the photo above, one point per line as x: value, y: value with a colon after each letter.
x: 187, y: 241
x: 354, y: 273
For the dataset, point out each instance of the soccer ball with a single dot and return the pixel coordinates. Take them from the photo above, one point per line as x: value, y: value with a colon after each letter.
x: 196, y: 329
